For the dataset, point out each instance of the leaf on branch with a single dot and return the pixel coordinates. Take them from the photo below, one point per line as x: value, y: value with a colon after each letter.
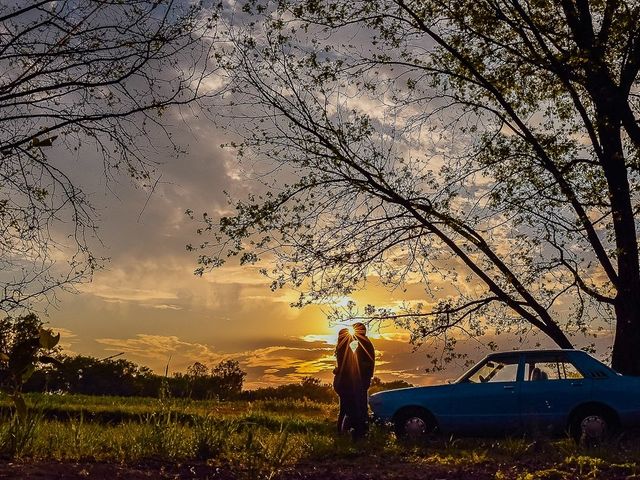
x: 47, y: 142
x: 20, y: 404
x: 47, y: 339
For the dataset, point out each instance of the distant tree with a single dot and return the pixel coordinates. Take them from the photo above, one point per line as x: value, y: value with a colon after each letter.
x: 25, y: 345
x: 310, y: 382
x: 199, y: 381
x: 92, y: 376
x: 489, y: 147
x: 82, y: 75
x: 197, y: 369
x: 228, y: 378
x: 309, y: 388
x: 377, y: 385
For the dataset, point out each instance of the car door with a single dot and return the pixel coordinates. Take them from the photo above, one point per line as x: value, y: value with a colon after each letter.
x: 552, y: 386
x: 487, y: 401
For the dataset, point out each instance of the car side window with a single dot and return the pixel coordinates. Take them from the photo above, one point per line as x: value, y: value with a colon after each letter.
x: 496, y: 371
x: 558, y: 369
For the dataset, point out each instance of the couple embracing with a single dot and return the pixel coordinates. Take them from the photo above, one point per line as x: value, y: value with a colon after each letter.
x: 355, y: 358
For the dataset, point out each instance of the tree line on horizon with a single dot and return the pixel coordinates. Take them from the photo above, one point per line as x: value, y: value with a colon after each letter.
x: 82, y: 374
x: 87, y: 375
x: 27, y: 366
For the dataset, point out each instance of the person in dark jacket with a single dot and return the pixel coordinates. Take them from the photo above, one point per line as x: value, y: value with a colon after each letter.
x: 366, y: 359
x: 346, y: 380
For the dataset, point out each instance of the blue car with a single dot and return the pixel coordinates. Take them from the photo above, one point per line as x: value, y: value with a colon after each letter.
x: 547, y: 392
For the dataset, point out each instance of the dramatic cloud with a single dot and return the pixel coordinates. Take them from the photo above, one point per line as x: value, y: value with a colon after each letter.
x: 268, y: 365
x: 147, y: 303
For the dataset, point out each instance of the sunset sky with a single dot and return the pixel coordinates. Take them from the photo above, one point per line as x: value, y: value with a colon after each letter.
x: 147, y: 302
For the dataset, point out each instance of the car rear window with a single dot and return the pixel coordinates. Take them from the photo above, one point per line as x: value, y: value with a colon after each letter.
x: 550, y: 369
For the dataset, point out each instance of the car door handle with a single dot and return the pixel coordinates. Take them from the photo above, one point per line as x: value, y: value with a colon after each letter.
x: 508, y: 387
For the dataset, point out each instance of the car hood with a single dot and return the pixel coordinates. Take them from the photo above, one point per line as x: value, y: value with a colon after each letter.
x: 431, y: 389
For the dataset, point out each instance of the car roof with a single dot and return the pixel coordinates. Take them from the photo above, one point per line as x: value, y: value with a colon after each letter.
x: 539, y: 352
x: 546, y: 350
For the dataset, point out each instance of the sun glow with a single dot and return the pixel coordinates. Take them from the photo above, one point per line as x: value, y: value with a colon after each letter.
x: 330, y: 338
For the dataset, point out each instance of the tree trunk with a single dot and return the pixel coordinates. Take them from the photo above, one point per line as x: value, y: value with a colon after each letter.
x: 626, y: 347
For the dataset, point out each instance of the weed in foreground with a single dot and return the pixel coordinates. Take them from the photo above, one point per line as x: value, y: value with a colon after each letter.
x: 514, y: 448
x: 211, y: 437
x: 165, y: 436
x: 547, y: 474
x: 262, y: 455
x: 18, y: 433
x: 587, y: 466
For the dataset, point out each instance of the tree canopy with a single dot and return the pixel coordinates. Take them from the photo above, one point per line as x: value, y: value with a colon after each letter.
x: 486, y: 149
x: 78, y: 74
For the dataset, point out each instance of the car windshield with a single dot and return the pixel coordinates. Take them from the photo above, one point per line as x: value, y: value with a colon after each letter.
x: 503, y: 370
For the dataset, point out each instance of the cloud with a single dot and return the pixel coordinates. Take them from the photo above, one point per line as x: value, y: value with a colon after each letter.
x: 329, y: 339
x: 163, y: 306
x: 156, y: 350
x: 126, y: 294
x: 272, y: 365
x: 393, y: 336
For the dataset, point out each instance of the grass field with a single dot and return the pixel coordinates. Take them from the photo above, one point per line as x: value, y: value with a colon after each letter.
x: 266, y: 440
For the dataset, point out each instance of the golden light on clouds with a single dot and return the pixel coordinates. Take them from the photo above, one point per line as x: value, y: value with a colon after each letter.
x: 147, y: 303
x: 288, y: 362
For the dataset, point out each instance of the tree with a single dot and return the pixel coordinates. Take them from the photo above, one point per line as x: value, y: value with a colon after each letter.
x: 199, y: 380
x: 308, y: 388
x: 79, y: 73
x: 197, y: 370
x: 489, y: 149
x: 228, y: 378
x: 25, y: 345
x: 377, y: 385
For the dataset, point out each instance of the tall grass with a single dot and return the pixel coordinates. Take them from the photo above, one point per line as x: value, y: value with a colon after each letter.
x: 260, y: 454
x: 17, y: 433
x: 259, y: 440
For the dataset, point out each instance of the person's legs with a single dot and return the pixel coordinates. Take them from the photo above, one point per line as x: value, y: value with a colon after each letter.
x: 350, y: 410
x: 342, y: 412
x: 364, y: 405
x: 361, y: 411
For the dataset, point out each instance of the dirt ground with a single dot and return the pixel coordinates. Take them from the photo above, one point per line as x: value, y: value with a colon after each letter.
x: 343, y: 470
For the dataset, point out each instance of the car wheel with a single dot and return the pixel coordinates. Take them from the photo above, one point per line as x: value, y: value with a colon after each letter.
x: 591, y: 427
x: 414, y: 424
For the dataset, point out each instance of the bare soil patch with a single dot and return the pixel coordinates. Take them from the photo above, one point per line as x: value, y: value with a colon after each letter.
x: 356, y: 469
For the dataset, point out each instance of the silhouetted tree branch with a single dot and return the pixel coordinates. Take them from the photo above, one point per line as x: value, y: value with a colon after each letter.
x: 484, y: 149
x: 75, y: 74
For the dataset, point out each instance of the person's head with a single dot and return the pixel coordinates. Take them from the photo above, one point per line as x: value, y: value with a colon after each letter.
x: 359, y: 328
x: 536, y: 374
x: 344, y: 337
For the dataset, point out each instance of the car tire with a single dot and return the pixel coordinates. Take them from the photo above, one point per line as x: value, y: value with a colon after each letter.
x: 592, y: 426
x: 414, y: 423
